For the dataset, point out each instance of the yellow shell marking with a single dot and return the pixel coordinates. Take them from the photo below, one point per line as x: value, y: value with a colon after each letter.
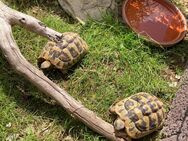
x: 68, y: 53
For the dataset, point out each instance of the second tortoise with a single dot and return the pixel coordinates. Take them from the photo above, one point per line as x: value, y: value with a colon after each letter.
x: 138, y: 115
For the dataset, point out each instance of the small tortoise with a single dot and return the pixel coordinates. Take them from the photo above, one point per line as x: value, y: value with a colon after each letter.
x: 64, y: 54
x: 138, y: 115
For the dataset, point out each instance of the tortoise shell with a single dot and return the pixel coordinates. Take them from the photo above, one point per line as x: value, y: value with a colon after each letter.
x: 141, y: 114
x: 64, y: 54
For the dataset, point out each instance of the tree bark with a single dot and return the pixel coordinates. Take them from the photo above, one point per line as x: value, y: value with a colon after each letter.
x: 10, y: 50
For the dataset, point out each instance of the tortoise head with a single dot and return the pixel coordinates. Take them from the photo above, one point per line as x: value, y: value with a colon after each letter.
x: 119, y: 124
x: 120, y: 131
x: 43, y: 60
x: 45, y: 65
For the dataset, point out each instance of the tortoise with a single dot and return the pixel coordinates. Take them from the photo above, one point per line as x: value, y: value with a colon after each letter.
x: 138, y: 115
x: 63, y: 54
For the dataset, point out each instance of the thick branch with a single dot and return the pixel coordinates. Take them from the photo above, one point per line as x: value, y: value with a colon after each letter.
x: 36, y: 77
x: 14, y: 17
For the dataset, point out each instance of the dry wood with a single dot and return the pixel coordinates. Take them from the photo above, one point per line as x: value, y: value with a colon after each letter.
x: 10, y: 50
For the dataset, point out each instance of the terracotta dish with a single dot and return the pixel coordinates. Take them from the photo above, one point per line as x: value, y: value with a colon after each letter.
x: 157, y: 20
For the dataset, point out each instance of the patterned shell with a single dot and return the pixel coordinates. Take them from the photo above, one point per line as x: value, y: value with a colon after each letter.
x: 141, y: 113
x: 65, y: 53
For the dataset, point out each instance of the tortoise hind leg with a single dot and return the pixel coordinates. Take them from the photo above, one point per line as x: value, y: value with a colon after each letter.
x: 122, y: 134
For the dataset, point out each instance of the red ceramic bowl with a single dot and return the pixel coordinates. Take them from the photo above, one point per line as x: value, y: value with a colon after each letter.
x: 157, y: 20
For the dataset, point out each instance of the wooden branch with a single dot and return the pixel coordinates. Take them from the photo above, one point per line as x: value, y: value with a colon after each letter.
x: 12, y: 53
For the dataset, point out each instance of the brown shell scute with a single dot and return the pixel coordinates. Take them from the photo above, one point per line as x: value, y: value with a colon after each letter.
x: 65, y: 53
x: 141, y: 113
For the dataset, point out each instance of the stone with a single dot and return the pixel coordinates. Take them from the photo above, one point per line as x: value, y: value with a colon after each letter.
x: 176, y: 124
x: 84, y: 9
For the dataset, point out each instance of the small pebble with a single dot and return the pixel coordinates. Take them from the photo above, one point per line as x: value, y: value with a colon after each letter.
x: 68, y: 138
x: 12, y: 137
x: 8, y: 125
x: 178, y: 77
x: 173, y: 84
